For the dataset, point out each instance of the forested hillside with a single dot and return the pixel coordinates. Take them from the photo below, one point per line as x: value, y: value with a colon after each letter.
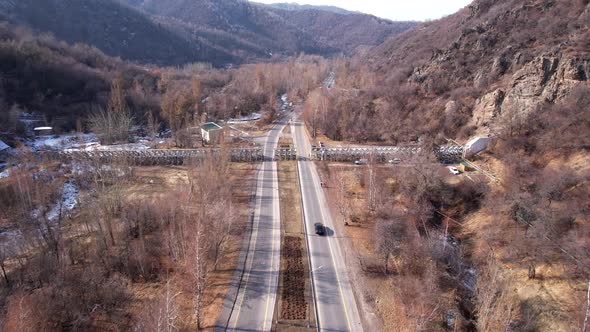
x: 62, y: 82
x: 345, y: 32
x: 66, y: 83
x: 491, y: 61
x: 255, y: 30
x: 174, y: 32
x: 114, y: 28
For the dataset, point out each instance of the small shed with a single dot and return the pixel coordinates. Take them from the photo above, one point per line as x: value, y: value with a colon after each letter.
x: 43, y: 131
x: 475, y: 146
x: 212, y: 133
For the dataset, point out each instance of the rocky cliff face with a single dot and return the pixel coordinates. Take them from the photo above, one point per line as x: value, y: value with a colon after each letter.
x: 544, y: 79
x: 498, y: 58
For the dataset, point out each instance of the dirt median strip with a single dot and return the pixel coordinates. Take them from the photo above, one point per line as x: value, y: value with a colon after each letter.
x: 294, y: 311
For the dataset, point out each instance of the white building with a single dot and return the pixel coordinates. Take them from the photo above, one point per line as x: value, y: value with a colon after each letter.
x: 475, y: 146
x: 212, y: 133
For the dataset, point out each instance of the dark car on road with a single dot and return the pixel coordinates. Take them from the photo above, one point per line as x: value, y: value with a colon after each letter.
x: 320, y: 229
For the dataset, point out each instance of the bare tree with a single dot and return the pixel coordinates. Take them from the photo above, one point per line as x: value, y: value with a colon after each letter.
x: 177, y: 109
x: 389, y: 235
x: 164, y: 316
x: 206, y: 224
x: 197, y: 246
x: 153, y: 125
x: 343, y: 183
x: 114, y: 123
x: 196, y: 92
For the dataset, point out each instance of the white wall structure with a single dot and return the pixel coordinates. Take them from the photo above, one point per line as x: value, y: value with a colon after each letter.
x: 476, y: 145
x: 211, y: 132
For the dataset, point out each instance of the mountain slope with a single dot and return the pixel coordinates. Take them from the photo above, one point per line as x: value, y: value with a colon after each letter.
x: 512, y: 56
x: 174, y: 32
x: 276, y: 31
x: 249, y: 24
x: 345, y: 32
x: 116, y: 29
x: 61, y: 82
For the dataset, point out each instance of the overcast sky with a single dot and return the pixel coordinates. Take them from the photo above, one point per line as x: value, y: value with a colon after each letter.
x: 418, y: 10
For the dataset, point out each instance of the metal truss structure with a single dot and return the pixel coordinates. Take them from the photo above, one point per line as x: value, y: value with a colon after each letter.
x: 286, y: 154
x: 158, y: 157
x: 379, y: 154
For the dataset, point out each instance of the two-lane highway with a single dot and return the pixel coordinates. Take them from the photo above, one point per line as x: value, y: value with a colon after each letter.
x: 253, y: 307
x: 335, y: 301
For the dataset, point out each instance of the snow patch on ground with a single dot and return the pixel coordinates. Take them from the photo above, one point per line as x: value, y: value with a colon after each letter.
x: 83, y: 142
x: 62, y: 141
x: 5, y: 173
x: 69, y: 201
x: 141, y: 145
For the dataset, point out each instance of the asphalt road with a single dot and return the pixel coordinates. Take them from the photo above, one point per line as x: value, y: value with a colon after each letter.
x: 335, y: 302
x: 252, y: 308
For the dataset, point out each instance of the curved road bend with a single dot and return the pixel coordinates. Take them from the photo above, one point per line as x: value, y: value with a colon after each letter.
x: 255, y: 301
x: 335, y: 301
